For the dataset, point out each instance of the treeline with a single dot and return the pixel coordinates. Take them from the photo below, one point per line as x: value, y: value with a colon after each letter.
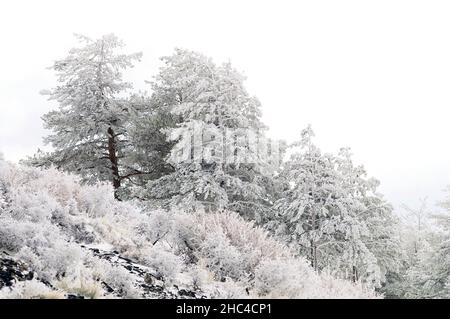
x: 196, y: 142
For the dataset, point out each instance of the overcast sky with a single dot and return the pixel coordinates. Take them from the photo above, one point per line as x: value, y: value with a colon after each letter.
x: 371, y: 75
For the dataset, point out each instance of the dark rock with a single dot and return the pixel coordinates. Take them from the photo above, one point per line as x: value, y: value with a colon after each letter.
x: 126, y: 260
x: 71, y: 296
x: 186, y: 293
x: 12, y: 271
x: 157, y: 292
x: 107, y: 287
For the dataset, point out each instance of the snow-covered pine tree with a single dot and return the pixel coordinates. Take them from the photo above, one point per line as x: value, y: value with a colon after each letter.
x: 89, y: 128
x: 374, y: 232
x: 331, y: 212
x: 428, y: 275
x: 414, y: 229
x: 309, y: 177
x: 439, y: 281
x: 220, y: 156
x: 384, y: 239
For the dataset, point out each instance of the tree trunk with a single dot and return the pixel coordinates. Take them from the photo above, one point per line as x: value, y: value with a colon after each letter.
x: 313, y: 252
x: 112, y: 155
x: 355, y: 275
x: 313, y: 244
x: 316, y: 266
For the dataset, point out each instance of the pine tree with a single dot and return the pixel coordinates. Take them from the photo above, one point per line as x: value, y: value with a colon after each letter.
x: 89, y: 128
x: 307, y: 175
x: 331, y: 213
x: 384, y: 240
x: 428, y: 275
x: 218, y: 156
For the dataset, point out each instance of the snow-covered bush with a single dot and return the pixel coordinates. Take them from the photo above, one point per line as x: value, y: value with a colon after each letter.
x: 228, y: 244
x: 293, y: 278
x: 31, y: 289
x: 121, y: 280
x: 282, y: 278
x: 166, y: 264
x: 81, y: 285
x: 227, y: 290
x: 48, y: 215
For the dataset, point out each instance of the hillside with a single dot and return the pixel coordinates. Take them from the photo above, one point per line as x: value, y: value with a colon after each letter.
x: 61, y: 239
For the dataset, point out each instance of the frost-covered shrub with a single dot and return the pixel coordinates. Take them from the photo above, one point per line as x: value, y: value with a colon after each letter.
x: 229, y: 246
x: 293, y: 278
x: 31, y: 289
x: 10, y: 237
x: 121, y: 281
x: 81, y: 284
x: 198, y: 273
x: 327, y: 286
x: 282, y: 278
x: 222, y: 257
x: 226, y: 290
x: 155, y: 226
x: 54, y: 261
x: 166, y: 264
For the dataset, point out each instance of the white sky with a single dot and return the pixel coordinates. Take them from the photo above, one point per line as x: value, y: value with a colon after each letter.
x: 372, y: 75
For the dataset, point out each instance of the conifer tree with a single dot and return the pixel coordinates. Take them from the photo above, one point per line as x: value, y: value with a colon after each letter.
x: 219, y: 156
x: 89, y: 135
x: 331, y: 212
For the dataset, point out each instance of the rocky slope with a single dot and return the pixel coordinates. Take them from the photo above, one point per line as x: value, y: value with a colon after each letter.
x: 13, y: 271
